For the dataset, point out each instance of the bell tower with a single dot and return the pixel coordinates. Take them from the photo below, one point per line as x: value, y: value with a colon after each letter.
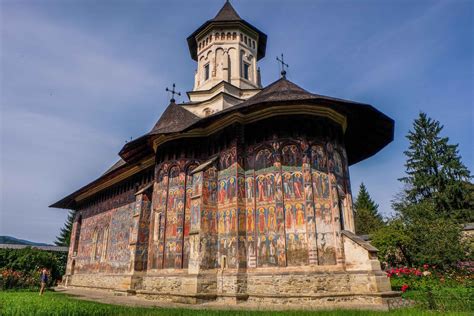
x: 227, y: 49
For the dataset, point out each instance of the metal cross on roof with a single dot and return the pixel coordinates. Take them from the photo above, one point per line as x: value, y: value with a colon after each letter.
x: 173, y: 92
x: 283, y: 65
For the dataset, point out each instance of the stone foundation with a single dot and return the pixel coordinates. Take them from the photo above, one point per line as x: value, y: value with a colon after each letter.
x: 356, y: 283
x: 269, y: 289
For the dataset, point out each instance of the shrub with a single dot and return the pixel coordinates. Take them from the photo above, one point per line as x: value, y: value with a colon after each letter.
x: 20, y: 268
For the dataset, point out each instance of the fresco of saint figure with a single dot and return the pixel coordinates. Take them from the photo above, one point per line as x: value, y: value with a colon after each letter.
x: 213, y: 189
x: 308, y: 192
x: 289, y: 216
x: 227, y: 221
x: 271, y: 219
x: 221, y: 228
x: 249, y: 188
x: 195, y: 210
x: 287, y: 185
x: 222, y: 192
x: 231, y: 189
x: 318, y: 158
x: 250, y: 220
x: 260, y: 188
x: 291, y: 155
x: 299, y: 216
x: 272, y: 252
x: 241, y: 189
x: 338, y: 169
x: 269, y: 187
x: 233, y: 216
x: 213, y: 225
x: 205, y: 190
x: 205, y: 222
x: 298, y: 185
x: 263, y: 159
x: 261, y: 220
x: 251, y: 250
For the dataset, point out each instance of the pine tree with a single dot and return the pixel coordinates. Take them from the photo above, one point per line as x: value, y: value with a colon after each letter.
x: 64, y: 237
x: 367, y: 218
x: 434, y: 173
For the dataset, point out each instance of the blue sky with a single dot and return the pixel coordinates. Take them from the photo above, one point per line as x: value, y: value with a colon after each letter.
x: 78, y: 78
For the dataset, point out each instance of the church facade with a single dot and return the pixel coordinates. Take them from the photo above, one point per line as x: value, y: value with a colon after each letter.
x: 241, y: 194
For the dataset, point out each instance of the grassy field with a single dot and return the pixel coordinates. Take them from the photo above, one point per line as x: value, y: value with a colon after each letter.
x: 30, y: 303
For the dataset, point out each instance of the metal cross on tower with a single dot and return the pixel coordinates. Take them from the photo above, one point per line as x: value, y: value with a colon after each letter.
x: 283, y: 65
x: 173, y: 92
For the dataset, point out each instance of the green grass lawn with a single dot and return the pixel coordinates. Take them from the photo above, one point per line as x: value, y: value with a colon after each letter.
x: 30, y: 303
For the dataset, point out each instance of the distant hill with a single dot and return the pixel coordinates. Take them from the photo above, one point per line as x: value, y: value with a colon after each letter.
x: 16, y: 241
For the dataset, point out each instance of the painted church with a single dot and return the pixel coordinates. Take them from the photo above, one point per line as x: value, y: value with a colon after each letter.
x: 240, y: 195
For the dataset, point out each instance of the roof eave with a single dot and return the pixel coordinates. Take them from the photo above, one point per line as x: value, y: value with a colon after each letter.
x: 262, y: 37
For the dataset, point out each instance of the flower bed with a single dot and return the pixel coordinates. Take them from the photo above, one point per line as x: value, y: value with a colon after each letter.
x: 435, y: 289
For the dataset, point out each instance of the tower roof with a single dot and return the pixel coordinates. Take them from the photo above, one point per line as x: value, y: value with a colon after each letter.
x: 227, y: 13
x: 227, y: 16
x: 174, y: 119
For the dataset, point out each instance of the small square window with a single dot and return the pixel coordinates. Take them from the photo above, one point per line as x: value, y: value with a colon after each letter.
x: 246, y: 71
x: 206, y: 72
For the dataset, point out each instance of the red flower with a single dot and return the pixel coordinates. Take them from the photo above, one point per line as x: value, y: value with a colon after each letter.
x: 425, y: 266
x: 404, y: 288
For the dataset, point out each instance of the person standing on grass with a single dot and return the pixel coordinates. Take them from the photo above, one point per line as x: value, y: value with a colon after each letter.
x: 44, y: 280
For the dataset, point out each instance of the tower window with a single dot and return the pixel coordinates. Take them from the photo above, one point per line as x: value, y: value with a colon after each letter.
x: 246, y: 71
x: 206, y: 72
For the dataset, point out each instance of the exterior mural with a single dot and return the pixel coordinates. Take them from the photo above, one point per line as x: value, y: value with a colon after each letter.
x: 227, y: 213
x: 284, y: 205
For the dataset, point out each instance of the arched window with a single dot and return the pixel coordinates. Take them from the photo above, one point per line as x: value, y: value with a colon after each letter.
x: 234, y: 36
x: 77, y: 236
x: 229, y: 36
x: 207, y: 111
x: 95, y: 238
x: 105, y: 242
x: 217, y: 36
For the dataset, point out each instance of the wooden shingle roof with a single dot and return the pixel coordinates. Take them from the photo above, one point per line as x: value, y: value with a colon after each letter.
x: 174, y: 119
x: 228, y: 15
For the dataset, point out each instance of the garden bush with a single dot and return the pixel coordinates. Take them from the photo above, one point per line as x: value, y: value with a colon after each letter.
x: 435, y: 289
x: 20, y: 268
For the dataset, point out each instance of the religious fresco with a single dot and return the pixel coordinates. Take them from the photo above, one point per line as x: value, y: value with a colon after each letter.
x: 160, y: 197
x: 267, y: 227
x: 142, y: 212
x: 227, y: 211
x: 250, y: 219
x: 187, y: 214
x: 208, y: 239
x: 322, y: 200
x: 104, y: 241
x: 294, y: 205
x: 283, y: 209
